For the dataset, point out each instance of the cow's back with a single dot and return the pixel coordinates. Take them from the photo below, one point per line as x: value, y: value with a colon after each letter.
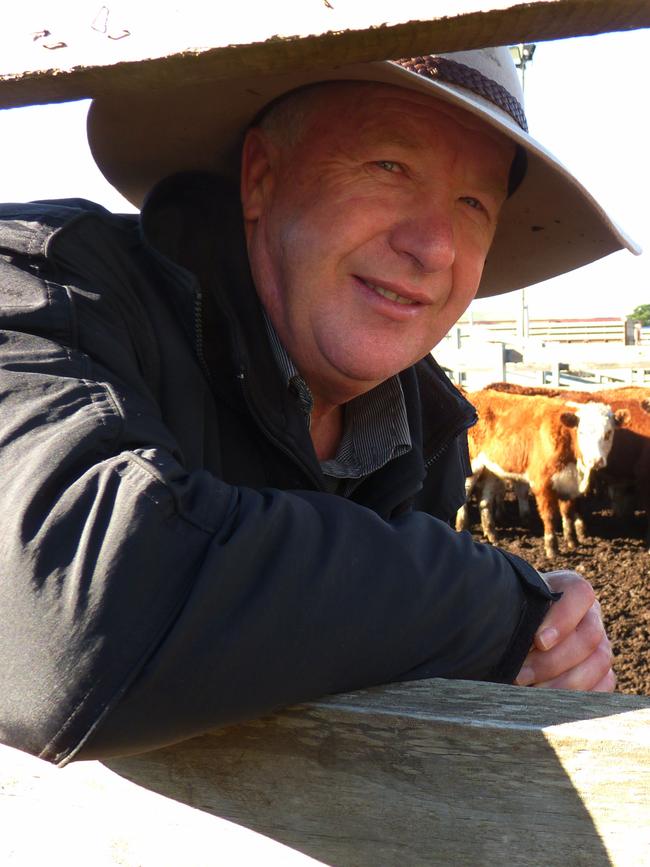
x: 522, y: 434
x: 632, y: 400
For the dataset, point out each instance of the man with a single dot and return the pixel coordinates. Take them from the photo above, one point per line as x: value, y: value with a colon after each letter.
x: 229, y: 462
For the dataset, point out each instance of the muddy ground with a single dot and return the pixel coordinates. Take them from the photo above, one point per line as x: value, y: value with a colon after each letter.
x: 616, y: 562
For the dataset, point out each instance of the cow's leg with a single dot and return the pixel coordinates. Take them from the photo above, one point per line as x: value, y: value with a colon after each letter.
x: 644, y: 503
x: 579, y: 520
x: 547, y: 504
x: 522, y: 490
x: 642, y: 477
x: 569, y: 529
x: 499, y: 506
x: 492, y: 487
x: 463, y: 521
x: 622, y: 496
x: 462, y: 518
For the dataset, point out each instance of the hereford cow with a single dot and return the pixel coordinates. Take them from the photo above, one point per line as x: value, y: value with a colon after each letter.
x: 628, y: 464
x: 551, y: 444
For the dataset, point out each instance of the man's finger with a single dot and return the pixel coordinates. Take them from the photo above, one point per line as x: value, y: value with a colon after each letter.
x: 607, y: 684
x: 570, y: 651
x: 565, y: 614
x: 546, y: 665
x: 587, y: 675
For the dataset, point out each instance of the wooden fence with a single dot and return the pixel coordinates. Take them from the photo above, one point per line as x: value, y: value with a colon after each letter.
x: 474, y: 355
x: 610, y: 329
x: 426, y: 773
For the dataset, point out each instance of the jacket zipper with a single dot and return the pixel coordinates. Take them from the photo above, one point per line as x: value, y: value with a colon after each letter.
x: 241, y: 376
x: 198, y: 334
x: 465, y: 425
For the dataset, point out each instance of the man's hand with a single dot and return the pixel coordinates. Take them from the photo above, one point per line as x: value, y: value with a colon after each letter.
x: 570, y: 649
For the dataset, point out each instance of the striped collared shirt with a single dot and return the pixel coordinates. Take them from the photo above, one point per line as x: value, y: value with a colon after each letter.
x: 375, y: 424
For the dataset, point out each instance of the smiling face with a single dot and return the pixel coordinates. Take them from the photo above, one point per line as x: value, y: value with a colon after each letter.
x: 367, y: 236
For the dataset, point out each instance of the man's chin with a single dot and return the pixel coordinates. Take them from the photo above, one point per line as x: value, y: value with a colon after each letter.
x: 359, y: 378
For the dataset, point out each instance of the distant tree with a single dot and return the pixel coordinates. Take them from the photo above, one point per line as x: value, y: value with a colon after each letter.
x: 641, y: 314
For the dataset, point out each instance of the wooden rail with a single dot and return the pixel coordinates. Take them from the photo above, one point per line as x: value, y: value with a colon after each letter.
x: 589, y: 330
x: 433, y: 772
x: 474, y: 354
x: 51, y: 52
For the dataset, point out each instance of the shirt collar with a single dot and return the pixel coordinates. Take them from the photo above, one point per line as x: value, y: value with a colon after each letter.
x: 375, y: 427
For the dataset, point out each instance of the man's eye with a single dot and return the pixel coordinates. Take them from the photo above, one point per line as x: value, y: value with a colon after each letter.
x: 388, y: 165
x: 473, y: 203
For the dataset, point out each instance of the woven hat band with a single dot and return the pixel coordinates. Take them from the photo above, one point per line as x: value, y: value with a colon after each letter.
x: 452, y: 72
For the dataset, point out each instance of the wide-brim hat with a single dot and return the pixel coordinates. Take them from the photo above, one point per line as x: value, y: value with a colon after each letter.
x: 550, y: 225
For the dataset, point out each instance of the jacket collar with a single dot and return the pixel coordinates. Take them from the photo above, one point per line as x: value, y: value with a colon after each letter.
x: 195, y: 219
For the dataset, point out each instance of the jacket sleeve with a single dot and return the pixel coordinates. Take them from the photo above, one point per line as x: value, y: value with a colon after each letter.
x: 143, y: 603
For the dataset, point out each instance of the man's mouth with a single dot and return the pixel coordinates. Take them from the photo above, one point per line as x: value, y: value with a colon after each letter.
x: 386, y: 293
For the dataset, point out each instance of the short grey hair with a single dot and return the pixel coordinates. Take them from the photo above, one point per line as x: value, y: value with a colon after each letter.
x: 286, y: 118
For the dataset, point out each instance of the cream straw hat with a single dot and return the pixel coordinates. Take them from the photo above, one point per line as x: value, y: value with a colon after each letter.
x: 550, y: 225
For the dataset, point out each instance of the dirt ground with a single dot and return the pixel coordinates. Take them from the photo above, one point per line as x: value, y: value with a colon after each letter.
x: 616, y: 562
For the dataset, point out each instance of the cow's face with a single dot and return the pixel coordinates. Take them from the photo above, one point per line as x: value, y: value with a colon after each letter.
x: 595, y: 434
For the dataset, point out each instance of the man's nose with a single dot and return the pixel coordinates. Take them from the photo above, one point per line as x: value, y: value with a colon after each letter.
x: 426, y: 236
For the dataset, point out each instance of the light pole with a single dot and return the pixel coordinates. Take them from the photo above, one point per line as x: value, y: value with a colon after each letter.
x: 522, y: 54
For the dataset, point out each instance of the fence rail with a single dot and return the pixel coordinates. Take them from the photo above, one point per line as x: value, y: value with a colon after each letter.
x: 432, y: 772
x: 599, y: 330
x: 475, y: 355
x: 58, y: 51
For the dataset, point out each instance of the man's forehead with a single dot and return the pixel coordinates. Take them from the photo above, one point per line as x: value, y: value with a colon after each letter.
x: 394, y: 112
x: 359, y: 113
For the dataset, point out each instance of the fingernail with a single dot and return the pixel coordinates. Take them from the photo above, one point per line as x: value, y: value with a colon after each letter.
x: 548, y: 637
x: 525, y: 677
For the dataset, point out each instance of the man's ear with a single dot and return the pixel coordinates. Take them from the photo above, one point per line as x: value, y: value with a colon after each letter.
x: 256, y: 173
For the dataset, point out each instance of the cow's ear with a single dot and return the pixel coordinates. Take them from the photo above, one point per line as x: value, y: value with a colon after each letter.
x: 645, y: 404
x: 622, y: 417
x: 570, y: 419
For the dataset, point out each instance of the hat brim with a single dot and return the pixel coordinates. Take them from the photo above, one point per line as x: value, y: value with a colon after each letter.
x: 549, y: 226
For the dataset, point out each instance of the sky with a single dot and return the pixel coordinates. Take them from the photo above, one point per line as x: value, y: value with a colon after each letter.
x: 586, y: 101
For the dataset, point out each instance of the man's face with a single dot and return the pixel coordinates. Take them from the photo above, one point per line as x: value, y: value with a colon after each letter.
x: 367, y: 237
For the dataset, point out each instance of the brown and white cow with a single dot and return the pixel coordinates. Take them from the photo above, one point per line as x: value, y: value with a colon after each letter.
x: 549, y: 443
x: 628, y: 463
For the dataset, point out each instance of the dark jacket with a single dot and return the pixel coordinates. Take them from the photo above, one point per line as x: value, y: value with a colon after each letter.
x: 169, y: 560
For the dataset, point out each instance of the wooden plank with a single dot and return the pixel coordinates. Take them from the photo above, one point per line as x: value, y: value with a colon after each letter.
x: 52, y: 52
x: 88, y: 816
x: 433, y: 772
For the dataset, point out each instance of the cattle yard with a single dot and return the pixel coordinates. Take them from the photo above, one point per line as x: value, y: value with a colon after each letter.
x: 614, y: 559
x: 612, y: 509
x: 573, y: 359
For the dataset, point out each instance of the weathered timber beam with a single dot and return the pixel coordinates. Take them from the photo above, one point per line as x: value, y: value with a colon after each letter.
x: 433, y: 772
x: 48, y: 54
